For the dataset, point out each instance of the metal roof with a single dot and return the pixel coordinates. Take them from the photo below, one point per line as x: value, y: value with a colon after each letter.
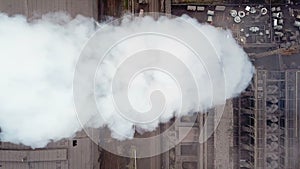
x: 33, y: 155
x: 33, y: 8
x: 77, y: 153
x: 192, y: 134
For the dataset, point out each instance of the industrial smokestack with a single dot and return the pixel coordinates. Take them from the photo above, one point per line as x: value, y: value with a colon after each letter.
x: 38, y: 61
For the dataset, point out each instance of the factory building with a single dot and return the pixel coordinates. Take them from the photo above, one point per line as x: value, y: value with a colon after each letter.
x: 258, y: 130
x: 97, y: 9
x: 269, y: 121
x: 77, y: 153
x: 218, y: 151
x: 33, y: 8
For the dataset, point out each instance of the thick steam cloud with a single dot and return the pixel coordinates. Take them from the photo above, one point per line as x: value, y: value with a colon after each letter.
x: 38, y: 61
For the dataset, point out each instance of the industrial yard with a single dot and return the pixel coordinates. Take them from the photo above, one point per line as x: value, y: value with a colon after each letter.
x: 259, y: 129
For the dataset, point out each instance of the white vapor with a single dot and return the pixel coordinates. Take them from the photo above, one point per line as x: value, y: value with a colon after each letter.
x: 38, y: 60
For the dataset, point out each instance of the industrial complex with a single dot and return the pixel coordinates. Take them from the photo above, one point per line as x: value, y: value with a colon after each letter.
x: 260, y: 129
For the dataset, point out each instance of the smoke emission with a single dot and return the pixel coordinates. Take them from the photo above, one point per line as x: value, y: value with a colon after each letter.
x: 38, y: 60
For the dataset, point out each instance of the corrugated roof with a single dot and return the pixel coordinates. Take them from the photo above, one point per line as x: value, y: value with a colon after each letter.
x: 38, y: 165
x: 14, y: 166
x: 32, y: 8
x: 12, y: 7
x: 33, y: 155
x: 63, y: 155
x: 76, y: 154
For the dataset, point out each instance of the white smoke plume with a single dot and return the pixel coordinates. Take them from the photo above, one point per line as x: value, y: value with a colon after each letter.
x: 38, y: 60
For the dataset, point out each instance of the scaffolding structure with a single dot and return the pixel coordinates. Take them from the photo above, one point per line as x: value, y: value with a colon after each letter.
x: 268, y: 121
